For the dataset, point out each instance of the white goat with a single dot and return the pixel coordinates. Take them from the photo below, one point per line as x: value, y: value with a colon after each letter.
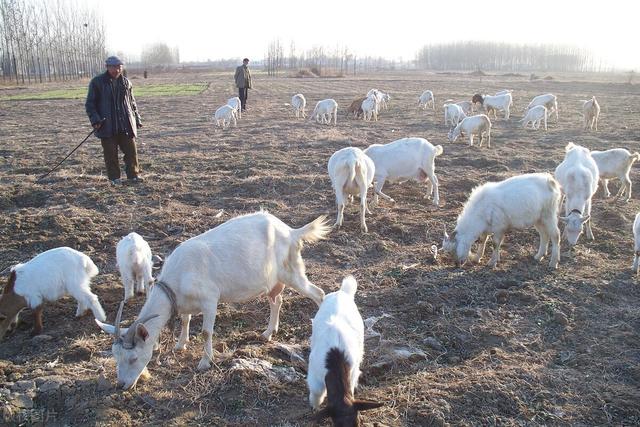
x: 49, y: 276
x: 337, y: 349
x: 225, y: 115
x: 323, y: 111
x: 474, y: 125
x: 520, y: 202
x: 351, y: 172
x: 503, y: 92
x: 299, y: 103
x: 380, y: 96
x: 578, y: 176
x: 427, y: 99
x: 495, y: 103
x: 548, y: 100
x: 534, y: 116
x: 615, y: 163
x: 636, y: 246
x: 133, y: 257
x: 246, y: 257
x: 236, y: 104
x: 590, y: 113
x: 453, y: 113
x: 404, y: 159
x: 370, y: 108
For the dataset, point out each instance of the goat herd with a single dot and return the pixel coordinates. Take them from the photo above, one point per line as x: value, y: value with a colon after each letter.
x: 257, y: 254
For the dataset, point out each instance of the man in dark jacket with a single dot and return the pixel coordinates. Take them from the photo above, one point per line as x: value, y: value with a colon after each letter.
x: 243, y: 82
x: 112, y: 111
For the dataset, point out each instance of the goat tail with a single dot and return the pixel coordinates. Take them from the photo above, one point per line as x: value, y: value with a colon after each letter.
x: 317, y: 229
x: 438, y: 150
x: 349, y: 285
x: 635, y: 156
x: 569, y: 147
x: 89, y: 267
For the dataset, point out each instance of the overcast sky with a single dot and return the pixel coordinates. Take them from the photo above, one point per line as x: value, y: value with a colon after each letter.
x: 216, y: 29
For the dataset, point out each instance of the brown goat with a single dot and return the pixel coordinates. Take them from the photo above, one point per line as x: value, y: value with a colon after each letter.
x: 11, y: 304
x: 356, y: 107
x: 341, y: 405
x: 479, y: 99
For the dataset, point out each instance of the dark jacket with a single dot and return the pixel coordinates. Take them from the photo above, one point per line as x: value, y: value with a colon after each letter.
x: 101, y: 104
x: 243, y: 77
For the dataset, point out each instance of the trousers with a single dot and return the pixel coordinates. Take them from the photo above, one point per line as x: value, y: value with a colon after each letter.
x: 127, y: 145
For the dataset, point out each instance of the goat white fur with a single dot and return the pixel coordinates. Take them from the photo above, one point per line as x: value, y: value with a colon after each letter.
x: 370, y: 108
x: 590, y: 113
x: 224, y: 115
x: 299, y: 103
x: 427, y: 99
x: 535, y: 115
x: 615, y: 163
x: 133, y: 257
x: 404, y: 159
x: 491, y: 211
x: 636, y: 244
x: 236, y: 104
x: 474, y: 125
x: 246, y: 257
x: 337, y: 324
x: 578, y: 176
x: 453, y: 113
x: 50, y: 276
x: 548, y: 100
x: 351, y: 172
x: 497, y: 102
x: 323, y: 111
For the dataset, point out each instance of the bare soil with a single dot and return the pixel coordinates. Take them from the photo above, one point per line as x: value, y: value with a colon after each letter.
x: 518, y: 345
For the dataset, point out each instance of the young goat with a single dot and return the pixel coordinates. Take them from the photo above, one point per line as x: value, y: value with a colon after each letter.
x: 590, y: 113
x: 236, y: 105
x: 636, y: 241
x: 299, y: 103
x: 427, y: 99
x: 578, y: 176
x: 48, y: 277
x: 133, y: 256
x: 520, y: 202
x: 475, y: 125
x: 355, y: 108
x: 534, y: 116
x: 224, y: 115
x: 404, y: 159
x: 351, y: 172
x: 615, y: 163
x: 370, y: 108
x: 337, y: 349
x: 323, y: 111
x: 237, y: 261
x: 548, y: 100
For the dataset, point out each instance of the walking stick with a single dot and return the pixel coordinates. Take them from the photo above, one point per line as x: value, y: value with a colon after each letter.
x: 68, y: 155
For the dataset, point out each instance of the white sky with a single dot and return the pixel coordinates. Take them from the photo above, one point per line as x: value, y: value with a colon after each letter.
x: 213, y: 29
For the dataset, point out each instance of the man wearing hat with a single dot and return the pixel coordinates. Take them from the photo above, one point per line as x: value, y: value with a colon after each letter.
x: 243, y: 82
x: 113, y: 113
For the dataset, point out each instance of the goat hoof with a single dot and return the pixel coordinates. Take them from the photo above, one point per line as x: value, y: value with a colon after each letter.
x: 204, y: 365
x: 180, y: 346
x: 266, y: 335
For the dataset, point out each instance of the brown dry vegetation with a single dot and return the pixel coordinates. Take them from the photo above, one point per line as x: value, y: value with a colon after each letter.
x: 517, y: 345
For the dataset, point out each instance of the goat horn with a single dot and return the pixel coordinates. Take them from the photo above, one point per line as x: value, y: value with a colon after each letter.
x: 118, y: 317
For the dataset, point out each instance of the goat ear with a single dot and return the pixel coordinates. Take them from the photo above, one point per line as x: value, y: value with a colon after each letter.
x: 364, y: 405
x: 141, y: 332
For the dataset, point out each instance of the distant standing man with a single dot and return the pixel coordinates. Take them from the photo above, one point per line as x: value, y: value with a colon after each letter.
x: 113, y: 113
x: 243, y: 82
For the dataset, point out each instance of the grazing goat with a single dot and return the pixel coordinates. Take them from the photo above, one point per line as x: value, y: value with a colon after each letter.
x: 520, y: 202
x: 636, y: 244
x: 453, y: 113
x: 578, y: 176
x: 225, y: 115
x: 534, y: 116
x: 239, y: 260
x: 404, y: 159
x: 427, y: 99
x: 590, y: 113
x: 356, y: 107
x: 299, y: 103
x: 548, y: 100
x: 474, y: 125
x: 133, y: 256
x: 236, y: 105
x: 49, y: 276
x: 494, y: 103
x: 615, y: 163
x: 337, y: 349
x: 323, y: 111
x: 370, y: 108
x: 351, y: 172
